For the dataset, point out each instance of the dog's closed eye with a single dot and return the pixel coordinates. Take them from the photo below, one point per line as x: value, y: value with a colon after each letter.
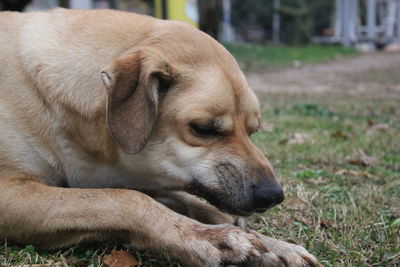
x: 205, y: 130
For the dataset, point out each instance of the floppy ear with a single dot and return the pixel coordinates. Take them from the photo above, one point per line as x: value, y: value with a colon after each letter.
x: 133, y: 88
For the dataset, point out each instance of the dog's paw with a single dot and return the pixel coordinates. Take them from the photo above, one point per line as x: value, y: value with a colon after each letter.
x: 282, y: 254
x: 216, y: 245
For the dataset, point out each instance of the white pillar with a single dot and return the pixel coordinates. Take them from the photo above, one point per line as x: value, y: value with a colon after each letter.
x: 227, y: 30
x: 346, y: 6
x: 353, y: 20
x: 276, y: 22
x: 80, y: 4
x: 371, y: 20
x: 338, y: 20
x: 390, y: 19
x: 398, y: 21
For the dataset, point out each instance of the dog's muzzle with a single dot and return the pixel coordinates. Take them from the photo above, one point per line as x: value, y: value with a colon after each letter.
x: 239, y: 194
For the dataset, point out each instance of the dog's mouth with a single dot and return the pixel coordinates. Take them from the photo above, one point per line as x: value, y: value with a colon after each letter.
x: 230, y: 210
x: 213, y: 197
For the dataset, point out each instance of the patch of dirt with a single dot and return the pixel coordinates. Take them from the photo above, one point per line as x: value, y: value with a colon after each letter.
x: 369, y: 73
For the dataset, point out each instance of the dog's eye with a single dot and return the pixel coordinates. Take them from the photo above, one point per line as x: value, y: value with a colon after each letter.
x: 164, y: 84
x: 204, y: 130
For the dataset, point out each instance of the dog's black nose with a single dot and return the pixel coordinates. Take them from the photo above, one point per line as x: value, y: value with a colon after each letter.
x: 267, y: 195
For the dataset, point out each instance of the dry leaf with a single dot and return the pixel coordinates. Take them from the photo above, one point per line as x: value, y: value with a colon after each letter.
x: 380, y: 126
x: 348, y: 123
x: 340, y: 135
x: 328, y: 224
x: 120, y: 258
x: 296, y: 138
x: 362, y: 159
x: 395, y: 211
x: 74, y: 261
x: 305, y: 221
x: 356, y: 173
x: 371, y: 123
x: 293, y: 203
x: 373, y: 127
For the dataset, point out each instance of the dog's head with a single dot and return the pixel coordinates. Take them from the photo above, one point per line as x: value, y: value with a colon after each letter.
x: 180, y: 106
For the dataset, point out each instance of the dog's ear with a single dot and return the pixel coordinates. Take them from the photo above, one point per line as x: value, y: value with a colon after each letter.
x: 135, y: 86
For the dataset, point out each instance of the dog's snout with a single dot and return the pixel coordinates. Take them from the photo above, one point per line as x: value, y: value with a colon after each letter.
x: 267, y: 195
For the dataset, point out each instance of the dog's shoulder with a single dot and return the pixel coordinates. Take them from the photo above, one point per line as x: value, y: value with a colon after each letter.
x: 63, y: 51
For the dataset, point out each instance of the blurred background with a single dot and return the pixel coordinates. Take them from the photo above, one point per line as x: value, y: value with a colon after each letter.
x: 366, y: 24
x: 267, y: 34
x: 327, y: 73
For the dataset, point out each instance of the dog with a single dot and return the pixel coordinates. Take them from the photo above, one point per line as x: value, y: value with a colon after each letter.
x: 111, y: 122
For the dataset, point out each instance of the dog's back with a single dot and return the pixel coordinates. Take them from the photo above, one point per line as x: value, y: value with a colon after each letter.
x: 51, y: 64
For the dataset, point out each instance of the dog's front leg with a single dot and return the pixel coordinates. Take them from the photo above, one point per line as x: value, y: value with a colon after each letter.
x: 192, y: 207
x: 51, y: 217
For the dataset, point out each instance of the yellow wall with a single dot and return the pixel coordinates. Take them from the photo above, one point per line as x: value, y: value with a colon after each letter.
x: 157, y: 5
x: 176, y: 10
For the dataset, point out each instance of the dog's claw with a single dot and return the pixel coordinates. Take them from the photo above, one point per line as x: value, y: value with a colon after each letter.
x: 255, y: 253
x: 282, y: 254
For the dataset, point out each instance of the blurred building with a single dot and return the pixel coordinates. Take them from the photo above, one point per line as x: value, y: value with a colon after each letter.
x: 371, y: 22
x: 138, y: 6
x: 363, y: 23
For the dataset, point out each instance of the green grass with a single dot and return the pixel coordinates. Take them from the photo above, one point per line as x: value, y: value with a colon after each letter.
x: 350, y: 220
x: 253, y: 57
x: 352, y: 212
x: 359, y: 213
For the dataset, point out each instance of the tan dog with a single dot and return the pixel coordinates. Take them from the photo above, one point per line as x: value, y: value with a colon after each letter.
x: 106, y: 99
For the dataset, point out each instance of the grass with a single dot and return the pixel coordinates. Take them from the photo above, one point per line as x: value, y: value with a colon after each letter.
x: 349, y: 218
x: 253, y: 57
x: 349, y: 214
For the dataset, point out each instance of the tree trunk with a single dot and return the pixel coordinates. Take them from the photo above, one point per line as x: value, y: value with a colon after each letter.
x: 209, y: 16
x: 14, y: 5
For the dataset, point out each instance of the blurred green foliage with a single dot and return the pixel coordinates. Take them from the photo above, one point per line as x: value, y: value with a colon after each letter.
x: 257, y: 57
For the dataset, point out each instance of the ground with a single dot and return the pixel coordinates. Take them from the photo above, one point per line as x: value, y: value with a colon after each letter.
x: 332, y: 132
